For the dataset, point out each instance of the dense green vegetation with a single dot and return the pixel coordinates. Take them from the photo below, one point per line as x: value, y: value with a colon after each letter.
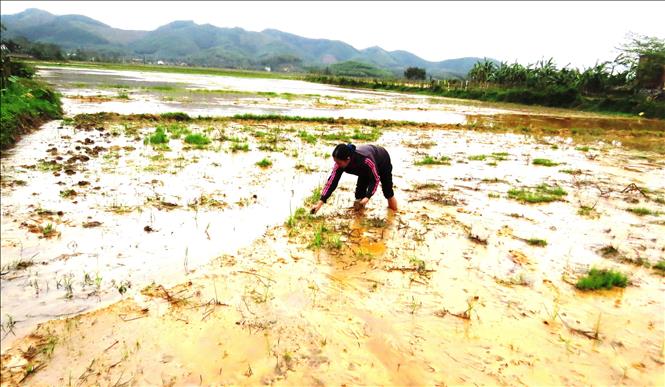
x: 25, y: 103
x: 602, y: 279
x: 631, y: 84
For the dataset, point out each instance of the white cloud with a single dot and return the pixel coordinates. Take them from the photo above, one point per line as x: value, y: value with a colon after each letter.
x: 579, y: 33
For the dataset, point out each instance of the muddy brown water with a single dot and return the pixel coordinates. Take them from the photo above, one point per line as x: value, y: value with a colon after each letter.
x: 237, y: 297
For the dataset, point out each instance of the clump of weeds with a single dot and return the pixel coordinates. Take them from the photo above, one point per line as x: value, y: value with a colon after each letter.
x: 602, y: 279
x: 540, y: 194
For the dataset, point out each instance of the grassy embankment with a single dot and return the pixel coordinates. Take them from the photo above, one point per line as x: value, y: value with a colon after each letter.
x: 26, y: 104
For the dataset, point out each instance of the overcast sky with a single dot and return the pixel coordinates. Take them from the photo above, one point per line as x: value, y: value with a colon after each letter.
x: 579, y: 33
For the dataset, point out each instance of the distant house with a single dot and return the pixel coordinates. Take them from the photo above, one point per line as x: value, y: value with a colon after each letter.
x: 160, y: 62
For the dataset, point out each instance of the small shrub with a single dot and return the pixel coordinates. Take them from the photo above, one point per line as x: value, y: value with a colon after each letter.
x: 602, y: 279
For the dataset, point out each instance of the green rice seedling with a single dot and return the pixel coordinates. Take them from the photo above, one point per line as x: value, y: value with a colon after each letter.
x: 601, y: 279
x: 641, y: 211
x: 537, y: 242
x: 582, y: 148
x: 540, y: 194
x: 197, y: 139
x: 319, y: 237
x: 264, y: 163
x: 294, y: 218
x: 660, y: 267
x: 122, y: 95
x: 176, y: 130
x: 419, y: 265
x: 555, y: 147
x: 243, y: 147
x: 429, y: 160
x: 335, y: 241
x: 314, y: 197
x: 477, y: 157
x: 545, y: 162
x: 500, y: 156
x: 307, y: 137
x: 158, y: 137
x: 571, y: 171
x: 373, y: 135
x: 492, y: 195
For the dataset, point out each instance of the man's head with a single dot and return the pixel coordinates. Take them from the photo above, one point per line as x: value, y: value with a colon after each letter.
x: 342, y: 154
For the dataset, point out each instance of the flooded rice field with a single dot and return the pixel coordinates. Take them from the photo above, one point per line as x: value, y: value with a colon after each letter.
x: 131, y: 257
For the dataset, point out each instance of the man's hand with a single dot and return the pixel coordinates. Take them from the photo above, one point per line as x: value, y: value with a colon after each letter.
x: 316, y: 207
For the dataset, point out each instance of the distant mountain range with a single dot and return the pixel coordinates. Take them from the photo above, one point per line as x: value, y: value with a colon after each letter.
x: 207, y: 45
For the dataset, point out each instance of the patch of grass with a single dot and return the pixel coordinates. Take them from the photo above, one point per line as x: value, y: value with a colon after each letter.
x: 545, y: 162
x: 541, y: 194
x: 478, y: 157
x: 243, y: 147
x: 492, y: 195
x: 307, y: 137
x: 264, y: 163
x: 582, y: 148
x: 537, y: 242
x: 641, y: 211
x: 158, y: 137
x: 601, y: 279
x: 429, y: 160
x: 197, y: 139
x: 571, y: 171
x: 122, y: 95
x: 176, y: 130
